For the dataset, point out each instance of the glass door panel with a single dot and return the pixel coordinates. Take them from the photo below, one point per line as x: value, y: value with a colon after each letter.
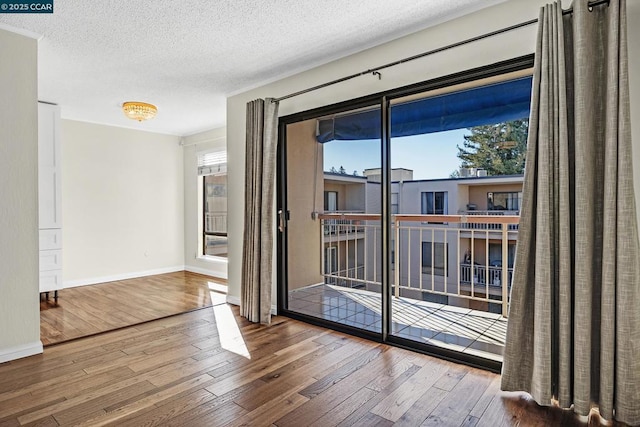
x: 456, y: 153
x: 333, y: 235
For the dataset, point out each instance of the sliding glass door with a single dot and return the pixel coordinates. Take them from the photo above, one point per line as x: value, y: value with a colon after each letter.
x: 461, y: 156
x: 399, y: 215
x: 331, y: 220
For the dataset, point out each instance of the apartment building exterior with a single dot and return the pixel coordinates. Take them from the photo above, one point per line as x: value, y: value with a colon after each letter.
x: 431, y: 260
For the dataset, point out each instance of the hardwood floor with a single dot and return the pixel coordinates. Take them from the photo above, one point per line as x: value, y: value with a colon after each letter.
x: 88, y: 310
x: 212, y: 368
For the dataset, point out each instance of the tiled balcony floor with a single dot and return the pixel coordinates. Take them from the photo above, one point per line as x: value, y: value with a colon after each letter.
x: 461, y: 329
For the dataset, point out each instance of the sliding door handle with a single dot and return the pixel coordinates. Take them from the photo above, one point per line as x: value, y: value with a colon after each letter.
x: 281, y: 221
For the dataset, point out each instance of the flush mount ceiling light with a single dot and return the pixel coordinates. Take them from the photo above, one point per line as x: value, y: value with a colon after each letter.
x: 139, y: 110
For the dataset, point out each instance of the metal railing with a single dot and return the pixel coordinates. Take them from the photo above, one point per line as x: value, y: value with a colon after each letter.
x: 435, y: 254
x: 493, y: 226
x: 350, y: 278
x: 215, y: 222
x: 480, y: 274
x: 357, y: 252
x: 342, y: 226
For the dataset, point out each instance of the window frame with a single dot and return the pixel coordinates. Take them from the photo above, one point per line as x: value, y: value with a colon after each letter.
x: 203, y: 218
x: 424, y: 195
x: 496, y: 248
x: 326, y: 201
x: 203, y: 234
x: 431, y: 268
x: 491, y: 196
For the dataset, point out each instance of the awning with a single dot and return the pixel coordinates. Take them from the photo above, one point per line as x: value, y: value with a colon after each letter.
x: 495, y: 103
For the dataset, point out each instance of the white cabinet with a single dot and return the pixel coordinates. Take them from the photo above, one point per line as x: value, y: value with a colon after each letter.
x: 49, y: 197
x: 51, y: 281
x: 49, y: 184
x: 50, y: 239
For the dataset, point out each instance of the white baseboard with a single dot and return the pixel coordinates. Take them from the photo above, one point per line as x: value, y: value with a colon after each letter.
x: 123, y: 276
x: 20, y: 351
x: 236, y: 301
x: 233, y: 300
x: 206, y: 272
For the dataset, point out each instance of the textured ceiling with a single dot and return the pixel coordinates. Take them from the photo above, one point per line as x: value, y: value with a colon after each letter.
x: 187, y: 56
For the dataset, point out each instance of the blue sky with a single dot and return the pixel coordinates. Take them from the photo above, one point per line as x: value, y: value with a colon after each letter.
x: 430, y: 156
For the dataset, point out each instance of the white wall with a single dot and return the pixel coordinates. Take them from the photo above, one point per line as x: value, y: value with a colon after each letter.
x: 122, y: 203
x: 19, y: 308
x: 488, y: 51
x: 211, y: 140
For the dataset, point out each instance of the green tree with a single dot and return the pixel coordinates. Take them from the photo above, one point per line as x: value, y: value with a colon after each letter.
x: 499, y: 148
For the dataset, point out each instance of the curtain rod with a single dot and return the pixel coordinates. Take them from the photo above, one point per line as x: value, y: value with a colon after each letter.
x: 376, y: 70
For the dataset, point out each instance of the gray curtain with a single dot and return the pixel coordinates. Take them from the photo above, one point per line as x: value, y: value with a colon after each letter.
x: 257, y: 251
x: 573, y: 335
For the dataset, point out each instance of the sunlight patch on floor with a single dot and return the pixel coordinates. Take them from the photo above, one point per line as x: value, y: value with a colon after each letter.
x: 218, y: 293
x: 217, y: 287
x: 217, y: 299
x: 228, y: 331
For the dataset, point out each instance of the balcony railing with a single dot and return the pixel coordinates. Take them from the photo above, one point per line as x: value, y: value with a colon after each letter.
x: 476, y: 226
x: 432, y: 254
x: 480, y: 274
x: 349, y: 278
x: 340, y: 226
x: 215, y: 222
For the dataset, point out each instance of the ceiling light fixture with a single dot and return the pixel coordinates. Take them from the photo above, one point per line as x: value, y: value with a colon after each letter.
x: 139, y: 110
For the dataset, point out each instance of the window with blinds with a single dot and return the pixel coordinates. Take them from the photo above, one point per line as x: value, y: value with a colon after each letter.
x: 212, y: 163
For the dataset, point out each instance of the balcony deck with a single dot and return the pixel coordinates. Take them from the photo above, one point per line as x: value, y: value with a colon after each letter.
x: 461, y: 329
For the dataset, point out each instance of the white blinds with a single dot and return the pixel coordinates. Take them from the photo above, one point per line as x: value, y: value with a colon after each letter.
x: 212, y: 163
